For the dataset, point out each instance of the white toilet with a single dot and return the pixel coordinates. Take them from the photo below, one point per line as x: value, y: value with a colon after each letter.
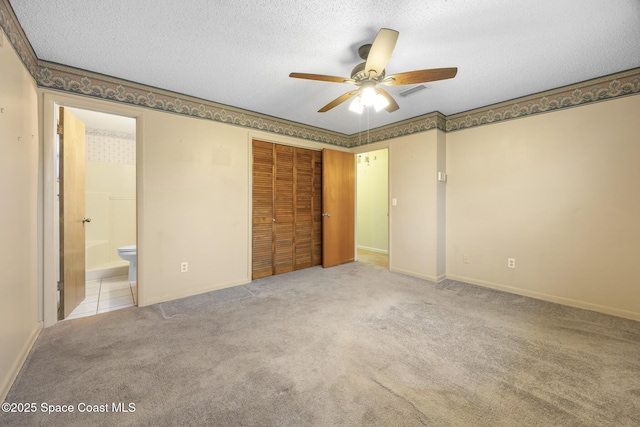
x: 128, y: 253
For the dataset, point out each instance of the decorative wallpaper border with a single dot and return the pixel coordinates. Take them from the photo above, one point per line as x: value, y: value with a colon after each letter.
x: 422, y: 123
x: 73, y: 80
x: 600, y: 89
x: 68, y: 79
x: 109, y: 134
x: 9, y: 23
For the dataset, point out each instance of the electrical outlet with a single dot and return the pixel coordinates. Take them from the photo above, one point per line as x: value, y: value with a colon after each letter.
x: 184, y: 267
x: 465, y: 259
x: 511, y: 262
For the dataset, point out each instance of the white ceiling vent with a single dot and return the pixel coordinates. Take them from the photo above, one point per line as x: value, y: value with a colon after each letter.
x: 413, y: 90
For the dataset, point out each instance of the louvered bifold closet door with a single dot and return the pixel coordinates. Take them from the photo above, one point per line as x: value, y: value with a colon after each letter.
x: 317, y: 209
x: 284, y: 209
x: 262, y: 263
x: 304, y: 208
x: 287, y: 203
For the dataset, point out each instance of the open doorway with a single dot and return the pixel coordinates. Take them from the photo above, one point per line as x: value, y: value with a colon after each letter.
x: 106, y: 173
x: 372, y: 169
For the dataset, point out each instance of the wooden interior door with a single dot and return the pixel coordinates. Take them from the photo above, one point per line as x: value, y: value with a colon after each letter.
x: 72, y: 211
x: 317, y: 209
x: 338, y: 207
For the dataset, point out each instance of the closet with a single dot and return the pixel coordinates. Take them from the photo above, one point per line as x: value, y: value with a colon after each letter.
x: 287, y: 209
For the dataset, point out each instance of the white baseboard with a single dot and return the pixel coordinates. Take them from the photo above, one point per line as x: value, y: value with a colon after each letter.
x: 190, y: 293
x: 550, y: 298
x: 10, y: 377
x: 380, y: 251
x: 418, y: 275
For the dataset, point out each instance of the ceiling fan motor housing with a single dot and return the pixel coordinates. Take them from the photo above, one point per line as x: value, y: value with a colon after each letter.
x: 363, y: 51
x: 358, y: 74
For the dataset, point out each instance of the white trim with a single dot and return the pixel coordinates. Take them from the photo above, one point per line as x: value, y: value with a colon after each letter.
x: 550, y: 298
x: 250, y: 139
x: 50, y: 101
x: 178, y: 295
x: 418, y: 275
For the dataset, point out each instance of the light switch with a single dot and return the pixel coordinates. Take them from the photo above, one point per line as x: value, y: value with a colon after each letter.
x: 394, y: 202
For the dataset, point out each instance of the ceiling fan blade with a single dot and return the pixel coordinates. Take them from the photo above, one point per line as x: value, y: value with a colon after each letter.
x: 339, y: 100
x: 320, y: 77
x: 381, y: 50
x: 420, y: 76
x: 393, y: 105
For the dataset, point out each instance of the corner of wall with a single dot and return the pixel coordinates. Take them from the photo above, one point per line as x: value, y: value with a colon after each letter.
x: 441, y: 204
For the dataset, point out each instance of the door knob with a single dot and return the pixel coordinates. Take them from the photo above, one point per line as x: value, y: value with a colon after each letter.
x: 326, y: 214
x: 86, y: 220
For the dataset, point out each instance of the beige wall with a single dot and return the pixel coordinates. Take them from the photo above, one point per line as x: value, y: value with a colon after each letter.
x: 196, y: 206
x: 373, y: 200
x: 19, y: 305
x: 413, y: 167
x: 560, y: 193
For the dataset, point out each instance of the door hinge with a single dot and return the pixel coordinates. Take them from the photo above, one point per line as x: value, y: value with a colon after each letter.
x: 60, y: 129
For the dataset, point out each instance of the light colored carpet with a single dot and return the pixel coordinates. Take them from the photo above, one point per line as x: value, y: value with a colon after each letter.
x: 353, y: 345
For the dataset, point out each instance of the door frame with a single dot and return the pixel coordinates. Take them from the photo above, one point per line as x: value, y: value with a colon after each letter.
x: 48, y: 298
x: 366, y: 149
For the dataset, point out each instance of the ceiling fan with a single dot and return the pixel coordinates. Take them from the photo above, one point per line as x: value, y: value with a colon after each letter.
x: 369, y: 75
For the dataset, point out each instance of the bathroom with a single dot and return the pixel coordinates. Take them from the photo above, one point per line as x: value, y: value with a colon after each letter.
x: 110, y: 204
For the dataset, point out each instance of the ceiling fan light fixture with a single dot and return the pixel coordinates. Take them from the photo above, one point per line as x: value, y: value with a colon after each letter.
x: 380, y: 102
x: 368, y: 95
x: 356, y: 105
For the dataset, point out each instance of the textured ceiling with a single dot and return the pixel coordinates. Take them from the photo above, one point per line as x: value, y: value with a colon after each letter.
x: 240, y: 53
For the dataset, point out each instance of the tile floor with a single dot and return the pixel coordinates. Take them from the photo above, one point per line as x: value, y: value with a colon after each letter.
x: 104, y: 295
